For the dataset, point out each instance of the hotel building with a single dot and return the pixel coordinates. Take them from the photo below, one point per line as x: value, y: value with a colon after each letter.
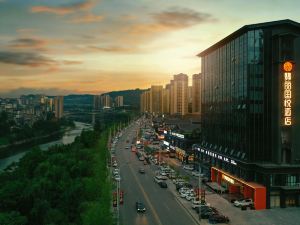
x: 250, y: 113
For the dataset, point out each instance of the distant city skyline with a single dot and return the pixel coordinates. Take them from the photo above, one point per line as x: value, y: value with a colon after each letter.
x: 92, y: 46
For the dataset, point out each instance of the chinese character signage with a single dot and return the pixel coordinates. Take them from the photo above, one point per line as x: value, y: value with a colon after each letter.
x: 287, y: 93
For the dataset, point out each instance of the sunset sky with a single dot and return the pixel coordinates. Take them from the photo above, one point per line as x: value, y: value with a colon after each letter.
x: 82, y: 46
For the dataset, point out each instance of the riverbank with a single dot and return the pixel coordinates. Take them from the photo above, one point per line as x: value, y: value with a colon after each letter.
x: 68, y: 137
x: 11, y: 149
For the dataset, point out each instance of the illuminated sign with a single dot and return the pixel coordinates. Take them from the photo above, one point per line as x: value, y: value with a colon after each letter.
x: 287, y: 93
x: 287, y: 66
x: 215, y: 155
x: 177, y: 135
x: 230, y: 180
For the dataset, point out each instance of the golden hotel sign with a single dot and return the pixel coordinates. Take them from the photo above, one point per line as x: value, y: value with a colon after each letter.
x: 287, y: 93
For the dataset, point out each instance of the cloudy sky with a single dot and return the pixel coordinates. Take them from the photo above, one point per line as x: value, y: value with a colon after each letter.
x: 92, y: 46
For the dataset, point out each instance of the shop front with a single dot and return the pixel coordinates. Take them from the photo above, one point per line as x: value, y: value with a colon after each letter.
x: 180, y: 154
x: 234, y: 185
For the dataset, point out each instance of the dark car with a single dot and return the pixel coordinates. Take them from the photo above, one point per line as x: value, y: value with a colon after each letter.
x: 218, y: 219
x: 205, y: 214
x: 140, y: 207
x: 163, y: 184
x: 142, y: 170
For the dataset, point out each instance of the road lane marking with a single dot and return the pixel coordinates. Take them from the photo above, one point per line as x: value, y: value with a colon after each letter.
x: 156, y: 217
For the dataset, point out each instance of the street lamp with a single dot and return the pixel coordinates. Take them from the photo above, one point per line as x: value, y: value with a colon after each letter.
x: 199, y: 187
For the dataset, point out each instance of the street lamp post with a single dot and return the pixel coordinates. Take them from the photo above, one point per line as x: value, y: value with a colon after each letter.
x: 199, y: 188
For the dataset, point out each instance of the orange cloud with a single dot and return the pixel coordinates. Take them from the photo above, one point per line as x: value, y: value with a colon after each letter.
x: 63, y: 10
x: 87, y: 18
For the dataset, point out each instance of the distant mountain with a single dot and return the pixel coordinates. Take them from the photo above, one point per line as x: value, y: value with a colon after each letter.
x: 85, y: 99
x: 131, y: 97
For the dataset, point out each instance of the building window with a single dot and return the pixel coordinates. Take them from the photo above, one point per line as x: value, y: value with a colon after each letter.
x: 291, y: 180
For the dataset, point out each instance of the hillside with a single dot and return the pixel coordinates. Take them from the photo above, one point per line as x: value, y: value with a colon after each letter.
x: 131, y: 97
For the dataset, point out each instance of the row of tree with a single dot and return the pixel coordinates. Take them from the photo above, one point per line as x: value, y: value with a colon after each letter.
x: 65, y: 185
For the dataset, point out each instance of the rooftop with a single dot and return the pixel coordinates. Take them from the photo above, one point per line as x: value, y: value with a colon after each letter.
x: 245, y: 29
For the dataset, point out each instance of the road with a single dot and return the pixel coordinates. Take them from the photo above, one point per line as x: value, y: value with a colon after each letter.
x: 162, y: 206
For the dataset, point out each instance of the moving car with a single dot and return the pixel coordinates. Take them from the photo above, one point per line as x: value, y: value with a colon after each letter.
x: 142, y: 170
x: 163, y: 184
x: 243, y: 202
x: 140, y: 207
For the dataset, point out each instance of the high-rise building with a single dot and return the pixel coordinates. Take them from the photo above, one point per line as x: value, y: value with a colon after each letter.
x: 59, y: 106
x: 190, y: 98
x: 156, y: 98
x: 172, y: 97
x: 145, y: 101
x: 179, y: 94
x: 196, y: 96
x: 106, y: 101
x: 119, y: 101
x: 250, y: 113
x: 97, y: 102
x: 166, y: 100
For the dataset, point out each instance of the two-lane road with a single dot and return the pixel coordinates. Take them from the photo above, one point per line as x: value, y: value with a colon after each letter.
x: 161, y: 204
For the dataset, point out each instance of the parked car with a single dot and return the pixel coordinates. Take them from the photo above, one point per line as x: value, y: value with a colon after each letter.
x: 202, y: 206
x: 243, y: 203
x: 197, y: 174
x: 218, y: 219
x: 140, y: 207
x: 187, y: 167
x: 208, y: 212
x: 190, y: 196
x: 163, y: 184
x: 116, y: 172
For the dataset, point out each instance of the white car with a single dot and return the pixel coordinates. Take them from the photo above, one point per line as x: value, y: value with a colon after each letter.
x: 183, y: 194
x: 186, y: 167
x: 190, y: 196
x: 115, y: 172
x: 183, y: 189
x: 117, y: 177
x: 243, y: 202
x: 163, y: 173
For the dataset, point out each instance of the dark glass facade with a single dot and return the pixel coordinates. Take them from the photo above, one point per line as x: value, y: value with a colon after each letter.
x: 242, y: 104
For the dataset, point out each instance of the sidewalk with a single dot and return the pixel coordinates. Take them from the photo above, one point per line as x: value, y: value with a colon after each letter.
x: 185, y: 204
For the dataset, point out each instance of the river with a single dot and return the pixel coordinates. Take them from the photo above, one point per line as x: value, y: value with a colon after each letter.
x: 68, y: 137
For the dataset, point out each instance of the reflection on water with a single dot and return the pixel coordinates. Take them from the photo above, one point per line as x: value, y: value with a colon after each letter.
x: 68, y: 138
